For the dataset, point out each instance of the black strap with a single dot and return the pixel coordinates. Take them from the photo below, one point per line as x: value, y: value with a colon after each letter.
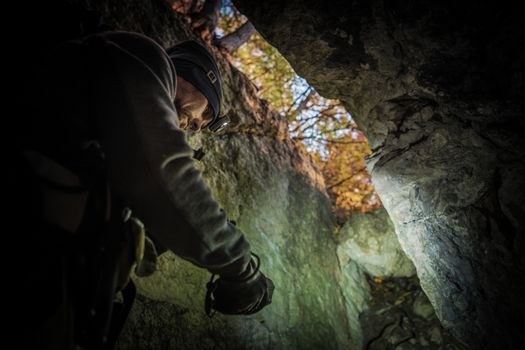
x: 208, y: 301
x: 120, y: 314
x: 58, y: 186
x: 95, y: 270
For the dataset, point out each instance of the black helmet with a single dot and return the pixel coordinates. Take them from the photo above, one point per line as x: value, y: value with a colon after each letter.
x: 196, y: 64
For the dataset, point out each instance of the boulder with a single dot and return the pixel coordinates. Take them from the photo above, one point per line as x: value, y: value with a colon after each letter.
x: 437, y: 87
x: 370, y: 240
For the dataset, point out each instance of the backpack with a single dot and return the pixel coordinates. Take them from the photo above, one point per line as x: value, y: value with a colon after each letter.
x: 86, y: 257
x: 99, y: 256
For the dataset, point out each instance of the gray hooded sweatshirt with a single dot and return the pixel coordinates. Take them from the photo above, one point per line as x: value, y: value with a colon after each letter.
x: 131, y: 84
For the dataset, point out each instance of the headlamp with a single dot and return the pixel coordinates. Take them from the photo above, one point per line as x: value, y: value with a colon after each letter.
x: 219, y: 124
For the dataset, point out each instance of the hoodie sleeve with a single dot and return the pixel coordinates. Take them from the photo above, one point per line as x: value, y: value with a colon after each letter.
x: 149, y: 162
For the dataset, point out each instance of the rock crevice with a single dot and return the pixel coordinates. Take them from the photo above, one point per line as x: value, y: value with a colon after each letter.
x: 438, y: 89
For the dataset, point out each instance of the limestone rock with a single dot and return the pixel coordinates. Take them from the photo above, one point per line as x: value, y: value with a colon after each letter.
x: 370, y: 240
x: 438, y: 89
x: 289, y: 224
x: 422, y: 307
x: 275, y: 194
x: 356, y: 293
x: 399, y: 316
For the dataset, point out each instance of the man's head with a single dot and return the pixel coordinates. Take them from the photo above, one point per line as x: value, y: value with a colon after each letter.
x: 192, y: 106
x: 199, y: 91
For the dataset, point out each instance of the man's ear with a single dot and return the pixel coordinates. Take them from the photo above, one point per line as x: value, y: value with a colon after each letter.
x: 208, y: 113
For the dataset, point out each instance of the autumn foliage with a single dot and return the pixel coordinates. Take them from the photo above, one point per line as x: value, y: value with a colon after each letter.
x: 323, y: 126
x: 348, y: 182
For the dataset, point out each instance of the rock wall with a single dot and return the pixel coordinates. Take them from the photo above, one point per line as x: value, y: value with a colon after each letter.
x: 276, y: 196
x: 380, y: 286
x: 289, y: 225
x: 438, y: 89
x: 370, y: 240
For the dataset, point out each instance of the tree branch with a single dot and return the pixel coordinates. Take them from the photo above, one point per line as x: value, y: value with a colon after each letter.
x: 315, y: 138
x: 234, y: 40
x: 205, y: 21
x: 302, y: 122
x: 308, y: 89
x: 345, y: 179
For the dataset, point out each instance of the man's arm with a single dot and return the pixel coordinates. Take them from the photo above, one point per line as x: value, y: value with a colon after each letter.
x: 149, y: 161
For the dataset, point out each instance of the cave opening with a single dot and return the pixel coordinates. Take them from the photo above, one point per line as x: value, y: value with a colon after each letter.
x: 435, y: 96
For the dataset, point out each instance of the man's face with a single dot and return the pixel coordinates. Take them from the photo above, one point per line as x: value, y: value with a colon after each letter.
x: 192, y: 106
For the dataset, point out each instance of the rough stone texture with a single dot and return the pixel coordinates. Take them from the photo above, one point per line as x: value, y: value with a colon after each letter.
x: 370, y: 240
x: 400, y: 316
x: 276, y: 196
x: 356, y: 292
x: 289, y: 224
x: 438, y: 89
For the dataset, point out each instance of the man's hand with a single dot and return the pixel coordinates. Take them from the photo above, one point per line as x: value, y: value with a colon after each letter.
x: 243, y: 297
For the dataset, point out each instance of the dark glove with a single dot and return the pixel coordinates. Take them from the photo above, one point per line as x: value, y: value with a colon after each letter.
x: 239, y: 297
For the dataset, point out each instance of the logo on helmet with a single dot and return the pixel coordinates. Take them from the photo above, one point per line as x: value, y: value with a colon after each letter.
x: 211, y: 76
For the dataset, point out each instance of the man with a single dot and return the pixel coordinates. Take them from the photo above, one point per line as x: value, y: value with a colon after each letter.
x: 119, y: 90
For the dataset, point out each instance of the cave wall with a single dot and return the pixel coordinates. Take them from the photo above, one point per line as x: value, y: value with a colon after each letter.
x: 276, y: 196
x: 369, y: 239
x: 289, y: 224
x: 438, y: 89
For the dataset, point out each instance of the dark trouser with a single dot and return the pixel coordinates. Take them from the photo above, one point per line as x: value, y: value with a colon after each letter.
x: 44, y: 315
